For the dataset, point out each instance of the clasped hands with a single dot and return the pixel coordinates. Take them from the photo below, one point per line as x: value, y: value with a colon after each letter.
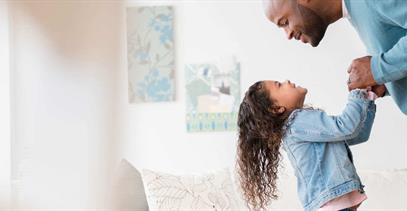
x: 360, y: 76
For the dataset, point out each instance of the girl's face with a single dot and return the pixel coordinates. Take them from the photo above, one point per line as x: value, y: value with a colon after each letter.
x: 286, y: 94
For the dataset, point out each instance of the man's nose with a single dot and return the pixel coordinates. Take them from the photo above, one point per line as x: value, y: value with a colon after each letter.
x: 289, y: 32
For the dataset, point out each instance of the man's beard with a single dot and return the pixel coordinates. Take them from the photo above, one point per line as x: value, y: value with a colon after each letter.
x: 314, y: 25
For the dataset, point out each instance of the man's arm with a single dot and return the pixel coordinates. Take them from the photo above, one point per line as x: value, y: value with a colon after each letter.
x: 386, y: 66
x: 391, y: 65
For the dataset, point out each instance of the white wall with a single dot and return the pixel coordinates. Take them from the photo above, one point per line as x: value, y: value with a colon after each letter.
x: 207, y: 30
x: 66, y: 56
x: 71, y: 114
x: 4, y: 108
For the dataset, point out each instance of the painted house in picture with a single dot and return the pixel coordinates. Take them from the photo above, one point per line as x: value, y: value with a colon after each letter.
x: 150, y: 54
x: 213, y: 96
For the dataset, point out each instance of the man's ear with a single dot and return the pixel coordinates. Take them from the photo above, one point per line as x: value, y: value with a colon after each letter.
x: 278, y: 109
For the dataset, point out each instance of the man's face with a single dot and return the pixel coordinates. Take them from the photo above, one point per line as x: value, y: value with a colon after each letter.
x: 298, y: 22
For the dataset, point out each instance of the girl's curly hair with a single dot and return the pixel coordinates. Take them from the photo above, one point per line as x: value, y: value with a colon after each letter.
x: 260, y: 134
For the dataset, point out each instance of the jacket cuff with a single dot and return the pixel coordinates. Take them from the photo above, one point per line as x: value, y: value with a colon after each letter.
x: 361, y: 94
x: 371, y: 95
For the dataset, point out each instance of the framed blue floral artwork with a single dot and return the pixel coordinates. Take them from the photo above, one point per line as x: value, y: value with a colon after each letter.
x: 212, y: 97
x: 150, y: 54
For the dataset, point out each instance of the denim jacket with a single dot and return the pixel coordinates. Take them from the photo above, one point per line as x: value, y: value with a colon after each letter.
x: 317, y: 145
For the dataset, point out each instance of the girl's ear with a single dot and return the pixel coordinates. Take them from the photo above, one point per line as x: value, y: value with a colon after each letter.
x: 278, y: 109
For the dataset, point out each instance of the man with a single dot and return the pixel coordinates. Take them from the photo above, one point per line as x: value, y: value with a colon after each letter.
x: 381, y: 24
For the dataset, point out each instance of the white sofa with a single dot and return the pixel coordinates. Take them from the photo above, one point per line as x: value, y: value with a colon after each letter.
x: 386, y: 190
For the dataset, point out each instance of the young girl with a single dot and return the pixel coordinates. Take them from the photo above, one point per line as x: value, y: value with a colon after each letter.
x: 271, y: 115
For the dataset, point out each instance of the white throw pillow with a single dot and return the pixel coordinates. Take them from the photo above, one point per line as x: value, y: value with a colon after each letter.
x: 212, y: 191
x: 127, y: 189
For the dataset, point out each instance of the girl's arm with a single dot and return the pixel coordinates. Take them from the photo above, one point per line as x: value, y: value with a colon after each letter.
x: 364, y: 134
x: 318, y: 126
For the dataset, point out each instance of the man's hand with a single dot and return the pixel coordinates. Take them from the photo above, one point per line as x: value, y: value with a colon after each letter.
x: 360, y: 74
x: 379, y: 90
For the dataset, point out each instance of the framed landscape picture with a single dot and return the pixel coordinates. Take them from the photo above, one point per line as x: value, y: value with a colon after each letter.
x: 213, y: 97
